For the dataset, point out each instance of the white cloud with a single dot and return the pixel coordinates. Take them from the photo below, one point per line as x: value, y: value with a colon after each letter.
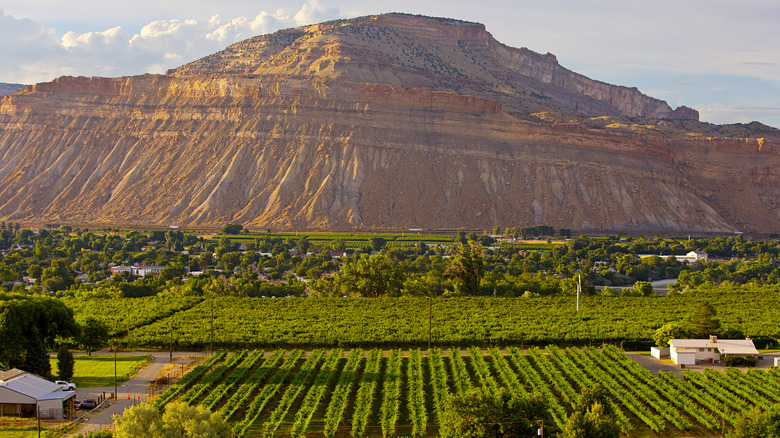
x: 91, y: 41
x: 31, y: 52
x: 313, y: 12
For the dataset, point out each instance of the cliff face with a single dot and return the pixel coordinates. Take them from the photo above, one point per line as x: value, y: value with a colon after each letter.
x: 435, y: 54
x: 252, y: 143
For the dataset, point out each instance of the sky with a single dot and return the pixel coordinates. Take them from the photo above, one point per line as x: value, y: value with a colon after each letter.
x: 720, y: 57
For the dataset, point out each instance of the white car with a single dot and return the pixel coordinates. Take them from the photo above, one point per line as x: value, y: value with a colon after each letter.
x: 66, y: 386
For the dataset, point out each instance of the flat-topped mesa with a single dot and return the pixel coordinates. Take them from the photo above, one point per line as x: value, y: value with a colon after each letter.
x: 356, y: 124
x: 408, y: 51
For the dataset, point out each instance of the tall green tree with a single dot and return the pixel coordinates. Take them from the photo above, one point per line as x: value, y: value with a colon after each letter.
x: 371, y: 276
x: 31, y: 321
x: 592, y: 417
x: 65, y: 363
x: 94, y: 335
x: 669, y: 331
x: 643, y: 288
x: 703, y: 322
x: 467, y: 268
x: 756, y: 423
x: 36, y: 358
x: 481, y: 412
x: 179, y: 421
x: 232, y: 228
x: 377, y: 243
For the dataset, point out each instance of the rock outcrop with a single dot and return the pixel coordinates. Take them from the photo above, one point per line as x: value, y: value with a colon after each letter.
x: 408, y: 51
x: 263, y: 135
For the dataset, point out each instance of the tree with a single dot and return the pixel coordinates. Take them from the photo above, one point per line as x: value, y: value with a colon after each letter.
x: 703, y: 322
x: 36, y: 358
x: 232, y: 228
x: 467, y: 269
x: 592, y: 417
x: 757, y: 424
x: 371, y: 276
x: 304, y: 245
x: 643, y: 288
x: 179, y: 421
x: 183, y: 420
x: 139, y: 421
x: 65, y: 363
x: 377, y: 243
x: 669, y: 331
x: 31, y: 321
x: 481, y: 412
x: 94, y: 335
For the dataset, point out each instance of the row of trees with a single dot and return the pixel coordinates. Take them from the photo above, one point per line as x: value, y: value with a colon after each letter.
x: 53, y: 257
x: 31, y: 326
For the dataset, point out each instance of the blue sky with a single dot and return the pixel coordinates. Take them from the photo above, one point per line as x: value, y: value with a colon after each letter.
x: 719, y: 57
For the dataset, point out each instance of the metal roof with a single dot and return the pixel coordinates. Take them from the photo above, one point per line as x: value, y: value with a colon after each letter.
x: 31, y: 386
x: 10, y: 374
x: 725, y: 346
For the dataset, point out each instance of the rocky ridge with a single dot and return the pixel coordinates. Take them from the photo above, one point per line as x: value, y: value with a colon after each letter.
x: 257, y: 135
x: 408, y: 51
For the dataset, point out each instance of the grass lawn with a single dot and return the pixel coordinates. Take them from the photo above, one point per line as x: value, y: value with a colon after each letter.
x: 98, y: 371
x: 22, y: 432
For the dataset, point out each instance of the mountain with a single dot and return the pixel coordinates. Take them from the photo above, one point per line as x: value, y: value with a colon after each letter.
x: 389, y: 121
x: 6, y: 89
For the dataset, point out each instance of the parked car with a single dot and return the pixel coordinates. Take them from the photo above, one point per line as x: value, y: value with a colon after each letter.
x: 66, y: 386
x: 87, y: 404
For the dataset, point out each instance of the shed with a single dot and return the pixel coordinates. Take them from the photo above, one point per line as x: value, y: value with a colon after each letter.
x: 23, y: 393
x: 659, y: 353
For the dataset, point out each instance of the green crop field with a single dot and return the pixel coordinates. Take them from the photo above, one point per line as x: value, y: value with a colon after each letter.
x: 389, y: 322
x: 98, y: 371
x: 358, y: 393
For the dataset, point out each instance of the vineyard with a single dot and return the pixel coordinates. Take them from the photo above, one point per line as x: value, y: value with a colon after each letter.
x: 370, y: 393
x: 361, y: 240
x: 392, y: 322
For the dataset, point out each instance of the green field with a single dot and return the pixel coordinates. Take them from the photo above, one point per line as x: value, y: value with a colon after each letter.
x: 98, y: 371
x: 358, y: 393
x: 388, y: 322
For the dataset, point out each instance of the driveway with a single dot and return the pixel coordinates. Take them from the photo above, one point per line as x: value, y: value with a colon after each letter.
x: 129, y: 393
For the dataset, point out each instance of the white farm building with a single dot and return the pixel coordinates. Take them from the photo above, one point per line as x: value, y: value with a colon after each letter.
x: 22, y: 393
x: 712, y: 350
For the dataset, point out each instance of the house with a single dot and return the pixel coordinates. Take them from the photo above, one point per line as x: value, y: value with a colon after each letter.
x: 23, y: 393
x: 712, y: 350
x: 141, y: 271
x: 691, y: 257
x: 697, y: 255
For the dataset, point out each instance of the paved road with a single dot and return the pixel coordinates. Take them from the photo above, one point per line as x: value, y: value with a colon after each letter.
x: 128, y: 394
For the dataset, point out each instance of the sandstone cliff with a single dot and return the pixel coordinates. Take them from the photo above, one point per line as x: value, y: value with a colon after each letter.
x: 267, y: 144
x: 432, y: 53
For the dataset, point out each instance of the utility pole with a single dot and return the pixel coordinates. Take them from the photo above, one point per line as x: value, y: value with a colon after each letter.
x: 170, y: 344
x: 115, y: 386
x: 579, y: 290
x: 211, y: 344
x: 430, y: 320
